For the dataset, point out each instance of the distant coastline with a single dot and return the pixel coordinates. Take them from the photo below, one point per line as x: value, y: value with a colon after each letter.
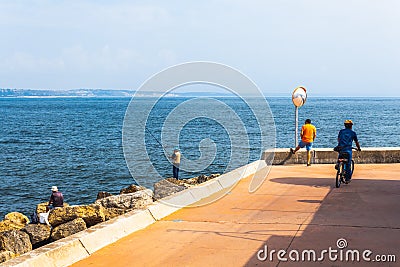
x: 33, y: 93
x: 120, y: 93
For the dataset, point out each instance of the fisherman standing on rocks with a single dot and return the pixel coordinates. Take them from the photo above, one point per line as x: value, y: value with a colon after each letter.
x: 56, y: 199
x: 176, y: 161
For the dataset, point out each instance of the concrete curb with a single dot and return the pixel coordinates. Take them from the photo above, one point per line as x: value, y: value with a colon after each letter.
x: 206, y: 189
x: 368, y: 155
x: 114, y: 230
x: 170, y: 204
x: 60, y: 253
x: 69, y: 250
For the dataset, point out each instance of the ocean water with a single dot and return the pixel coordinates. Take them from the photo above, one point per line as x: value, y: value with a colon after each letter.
x: 76, y: 143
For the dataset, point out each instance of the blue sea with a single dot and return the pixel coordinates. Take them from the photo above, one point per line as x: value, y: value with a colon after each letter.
x: 76, y: 143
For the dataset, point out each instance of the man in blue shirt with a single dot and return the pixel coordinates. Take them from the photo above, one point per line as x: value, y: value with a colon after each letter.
x: 346, y: 137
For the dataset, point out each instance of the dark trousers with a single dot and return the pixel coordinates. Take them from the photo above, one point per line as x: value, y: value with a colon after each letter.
x: 175, y: 170
x: 347, y: 166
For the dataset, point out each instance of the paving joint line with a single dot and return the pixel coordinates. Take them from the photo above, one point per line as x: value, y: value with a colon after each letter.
x: 294, y: 236
x: 232, y: 222
x: 87, y: 251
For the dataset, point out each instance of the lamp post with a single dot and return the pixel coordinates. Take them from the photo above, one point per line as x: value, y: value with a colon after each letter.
x: 299, y: 97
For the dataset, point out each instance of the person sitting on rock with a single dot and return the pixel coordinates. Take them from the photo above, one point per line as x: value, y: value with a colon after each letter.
x: 56, y: 199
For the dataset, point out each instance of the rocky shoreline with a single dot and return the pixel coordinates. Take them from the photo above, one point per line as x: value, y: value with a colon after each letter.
x: 18, y: 235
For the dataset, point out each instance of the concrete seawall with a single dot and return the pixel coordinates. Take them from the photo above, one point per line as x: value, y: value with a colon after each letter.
x: 328, y: 156
x: 69, y: 250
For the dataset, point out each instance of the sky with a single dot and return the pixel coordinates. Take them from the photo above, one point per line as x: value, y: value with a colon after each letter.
x: 333, y: 48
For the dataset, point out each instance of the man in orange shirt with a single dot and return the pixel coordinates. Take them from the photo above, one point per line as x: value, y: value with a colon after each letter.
x: 308, y: 134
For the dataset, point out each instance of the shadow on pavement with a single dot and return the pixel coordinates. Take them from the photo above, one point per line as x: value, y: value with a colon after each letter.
x: 365, y: 214
x: 316, y: 182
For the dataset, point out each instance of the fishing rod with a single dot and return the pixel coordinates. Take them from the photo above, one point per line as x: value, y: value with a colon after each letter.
x: 155, y: 138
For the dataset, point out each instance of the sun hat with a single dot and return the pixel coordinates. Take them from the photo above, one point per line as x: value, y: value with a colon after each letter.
x: 54, y: 188
x: 348, y: 122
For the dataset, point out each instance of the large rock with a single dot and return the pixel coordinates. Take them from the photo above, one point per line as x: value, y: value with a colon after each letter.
x: 91, y: 214
x: 13, y: 221
x: 6, y: 226
x: 17, y: 218
x: 16, y: 241
x: 138, y: 200
x: 132, y: 189
x: 170, y: 186
x: 203, y: 178
x: 176, y: 181
x: 200, y: 179
x: 6, y: 255
x: 38, y: 233
x: 41, y: 208
x: 113, y: 212
x: 68, y: 229
x: 167, y: 187
x: 102, y: 194
x: 214, y: 175
x: 191, y: 181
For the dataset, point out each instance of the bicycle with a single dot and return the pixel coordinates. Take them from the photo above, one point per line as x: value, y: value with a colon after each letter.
x: 340, y: 166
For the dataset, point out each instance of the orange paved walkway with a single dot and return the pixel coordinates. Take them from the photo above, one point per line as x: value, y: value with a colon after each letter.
x: 296, y: 208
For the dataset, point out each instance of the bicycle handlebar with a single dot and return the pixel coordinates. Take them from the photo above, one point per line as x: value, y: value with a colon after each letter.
x: 338, y: 149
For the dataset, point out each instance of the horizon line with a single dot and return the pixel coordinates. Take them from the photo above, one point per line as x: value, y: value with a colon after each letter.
x: 220, y: 94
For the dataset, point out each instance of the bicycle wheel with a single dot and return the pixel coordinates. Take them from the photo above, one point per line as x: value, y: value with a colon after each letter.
x: 352, y: 166
x: 343, y: 172
x: 339, y: 175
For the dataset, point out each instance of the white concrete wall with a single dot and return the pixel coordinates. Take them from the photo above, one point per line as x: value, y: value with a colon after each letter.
x: 66, y: 251
x: 369, y: 155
